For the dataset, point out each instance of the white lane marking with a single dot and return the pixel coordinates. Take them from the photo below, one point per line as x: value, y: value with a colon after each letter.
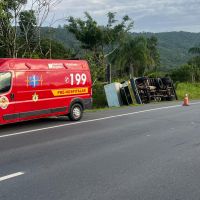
x: 3, y: 178
x: 93, y: 120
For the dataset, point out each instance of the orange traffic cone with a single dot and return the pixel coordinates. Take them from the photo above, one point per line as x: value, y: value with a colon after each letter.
x: 186, y: 100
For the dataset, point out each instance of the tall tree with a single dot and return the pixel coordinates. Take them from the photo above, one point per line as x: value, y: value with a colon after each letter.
x: 8, y: 24
x: 87, y: 32
x: 101, y: 41
x: 28, y: 32
x: 11, y: 13
x: 153, y: 54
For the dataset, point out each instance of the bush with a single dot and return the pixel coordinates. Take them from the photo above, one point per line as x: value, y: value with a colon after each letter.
x: 186, y: 73
x: 192, y: 89
x: 99, y: 97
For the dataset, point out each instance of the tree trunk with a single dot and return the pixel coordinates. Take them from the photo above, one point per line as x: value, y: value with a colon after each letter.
x: 131, y: 70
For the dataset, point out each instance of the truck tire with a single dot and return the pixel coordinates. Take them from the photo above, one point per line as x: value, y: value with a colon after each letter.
x: 166, y: 81
x: 159, y: 83
x: 170, y: 98
x: 76, y: 112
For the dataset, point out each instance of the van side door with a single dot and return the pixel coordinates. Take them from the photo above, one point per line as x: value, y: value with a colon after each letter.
x: 32, y: 94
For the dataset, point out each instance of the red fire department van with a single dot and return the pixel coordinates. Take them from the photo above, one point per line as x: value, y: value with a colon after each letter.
x: 37, y: 88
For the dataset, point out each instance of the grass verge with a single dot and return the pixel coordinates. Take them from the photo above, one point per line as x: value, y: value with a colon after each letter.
x: 192, y: 89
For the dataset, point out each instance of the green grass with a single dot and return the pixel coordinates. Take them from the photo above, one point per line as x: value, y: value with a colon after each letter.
x: 192, y: 89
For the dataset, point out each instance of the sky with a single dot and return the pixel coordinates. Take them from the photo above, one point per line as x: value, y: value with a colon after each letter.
x: 148, y: 15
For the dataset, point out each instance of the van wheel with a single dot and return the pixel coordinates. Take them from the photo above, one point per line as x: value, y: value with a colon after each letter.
x: 76, y: 112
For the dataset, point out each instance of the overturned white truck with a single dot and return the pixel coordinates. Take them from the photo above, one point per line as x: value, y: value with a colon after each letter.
x: 140, y: 90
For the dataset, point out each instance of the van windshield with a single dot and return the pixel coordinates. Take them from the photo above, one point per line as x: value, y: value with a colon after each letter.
x: 5, y: 82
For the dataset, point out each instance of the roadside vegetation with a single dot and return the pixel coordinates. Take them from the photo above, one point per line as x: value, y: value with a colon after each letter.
x: 112, y: 50
x: 193, y: 89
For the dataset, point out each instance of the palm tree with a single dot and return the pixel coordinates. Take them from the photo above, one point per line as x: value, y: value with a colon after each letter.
x: 131, y: 56
x: 196, y: 59
x: 194, y: 62
x: 153, y: 53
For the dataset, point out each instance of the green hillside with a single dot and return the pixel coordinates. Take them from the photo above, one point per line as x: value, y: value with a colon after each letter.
x: 173, y: 46
x: 61, y: 35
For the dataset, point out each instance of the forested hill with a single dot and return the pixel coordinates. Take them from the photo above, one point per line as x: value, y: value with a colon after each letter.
x: 173, y: 46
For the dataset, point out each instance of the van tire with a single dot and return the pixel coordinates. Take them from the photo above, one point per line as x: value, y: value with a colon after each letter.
x: 76, y: 112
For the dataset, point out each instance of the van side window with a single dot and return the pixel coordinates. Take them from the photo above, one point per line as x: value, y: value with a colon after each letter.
x: 5, y: 82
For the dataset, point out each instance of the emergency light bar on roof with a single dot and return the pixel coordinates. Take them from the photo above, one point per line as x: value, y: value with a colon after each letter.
x: 56, y: 66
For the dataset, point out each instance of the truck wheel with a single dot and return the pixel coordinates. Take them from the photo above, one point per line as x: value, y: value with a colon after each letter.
x: 170, y: 98
x: 76, y: 112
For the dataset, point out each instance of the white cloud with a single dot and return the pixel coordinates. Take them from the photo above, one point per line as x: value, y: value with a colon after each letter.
x: 149, y: 15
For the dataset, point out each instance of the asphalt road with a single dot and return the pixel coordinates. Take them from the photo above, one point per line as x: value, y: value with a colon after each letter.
x: 150, y: 152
